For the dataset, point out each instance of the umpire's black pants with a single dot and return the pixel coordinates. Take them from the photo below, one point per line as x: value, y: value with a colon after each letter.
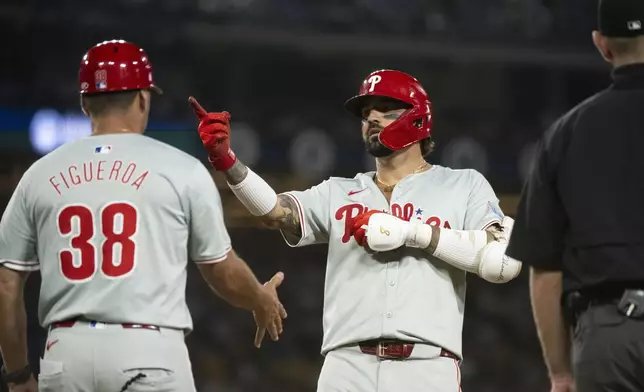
x: 608, y: 351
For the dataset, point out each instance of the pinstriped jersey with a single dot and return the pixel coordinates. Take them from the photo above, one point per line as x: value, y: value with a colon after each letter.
x: 404, y: 294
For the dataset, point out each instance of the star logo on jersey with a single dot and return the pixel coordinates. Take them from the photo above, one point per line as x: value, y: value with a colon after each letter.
x: 355, y: 192
x: 419, y: 211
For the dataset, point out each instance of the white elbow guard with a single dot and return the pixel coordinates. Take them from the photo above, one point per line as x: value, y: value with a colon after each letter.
x: 494, y: 266
x: 470, y: 251
x: 255, y: 194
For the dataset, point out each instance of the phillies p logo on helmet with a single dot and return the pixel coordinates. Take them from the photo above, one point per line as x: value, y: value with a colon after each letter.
x: 373, y: 80
x: 414, y: 125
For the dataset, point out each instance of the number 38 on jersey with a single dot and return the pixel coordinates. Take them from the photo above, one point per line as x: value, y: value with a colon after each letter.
x: 103, y: 240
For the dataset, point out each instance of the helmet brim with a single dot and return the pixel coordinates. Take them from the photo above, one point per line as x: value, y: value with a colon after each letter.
x: 354, y: 105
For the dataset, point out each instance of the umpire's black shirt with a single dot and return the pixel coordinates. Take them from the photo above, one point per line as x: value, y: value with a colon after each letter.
x: 582, y: 209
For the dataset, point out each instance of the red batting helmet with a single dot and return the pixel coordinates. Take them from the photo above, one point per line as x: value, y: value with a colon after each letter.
x: 415, y: 124
x: 113, y: 66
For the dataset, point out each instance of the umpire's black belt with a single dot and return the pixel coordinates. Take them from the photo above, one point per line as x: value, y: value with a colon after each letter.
x: 577, y: 302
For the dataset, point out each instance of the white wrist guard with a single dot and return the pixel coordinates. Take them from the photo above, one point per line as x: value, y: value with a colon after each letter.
x: 419, y: 235
x: 386, y: 232
x: 470, y: 251
x: 255, y: 194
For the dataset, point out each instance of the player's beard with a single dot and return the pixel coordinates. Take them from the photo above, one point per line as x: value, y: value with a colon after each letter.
x: 373, y: 145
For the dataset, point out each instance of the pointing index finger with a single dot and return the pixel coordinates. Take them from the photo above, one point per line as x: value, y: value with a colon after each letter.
x: 196, y: 107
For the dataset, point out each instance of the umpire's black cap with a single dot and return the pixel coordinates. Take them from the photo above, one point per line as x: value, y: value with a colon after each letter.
x: 621, y: 18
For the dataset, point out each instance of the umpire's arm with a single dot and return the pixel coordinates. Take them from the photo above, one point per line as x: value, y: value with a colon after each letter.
x: 538, y: 241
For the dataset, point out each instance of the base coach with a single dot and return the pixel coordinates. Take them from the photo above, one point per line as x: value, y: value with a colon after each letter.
x: 580, y: 223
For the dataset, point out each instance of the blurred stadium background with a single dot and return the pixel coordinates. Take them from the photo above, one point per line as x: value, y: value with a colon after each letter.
x: 498, y: 72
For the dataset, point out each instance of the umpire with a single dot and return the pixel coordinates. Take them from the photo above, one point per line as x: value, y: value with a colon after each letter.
x: 580, y: 223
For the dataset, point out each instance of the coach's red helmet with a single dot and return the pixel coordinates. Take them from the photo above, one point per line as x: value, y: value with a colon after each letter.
x: 116, y: 65
x: 415, y: 124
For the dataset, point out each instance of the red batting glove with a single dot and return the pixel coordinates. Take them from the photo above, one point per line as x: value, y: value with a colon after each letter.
x: 214, y: 131
x: 359, y: 227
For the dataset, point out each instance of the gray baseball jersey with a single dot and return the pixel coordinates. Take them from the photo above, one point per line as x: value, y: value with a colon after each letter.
x: 404, y: 294
x: 110, y: 221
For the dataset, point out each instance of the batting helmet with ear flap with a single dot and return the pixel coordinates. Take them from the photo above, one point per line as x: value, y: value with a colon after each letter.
x: 116, y: 65
x: 415, y: 124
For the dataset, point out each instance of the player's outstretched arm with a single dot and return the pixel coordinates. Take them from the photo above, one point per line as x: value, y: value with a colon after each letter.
x: 233, y: 281
x: 477, y: 251
x: 258, y: 196
x: 276, y: 211
x: 13, y: 319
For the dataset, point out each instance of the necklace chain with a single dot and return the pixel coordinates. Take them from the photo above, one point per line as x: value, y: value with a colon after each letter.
x: 390, y: 187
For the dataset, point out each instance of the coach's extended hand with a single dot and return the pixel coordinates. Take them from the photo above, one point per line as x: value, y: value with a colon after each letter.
x: 269, y: 314
x: 214, y: 131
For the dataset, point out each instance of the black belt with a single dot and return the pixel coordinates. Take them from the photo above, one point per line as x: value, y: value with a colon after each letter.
x: 629, y: 301
x: 578, y: 301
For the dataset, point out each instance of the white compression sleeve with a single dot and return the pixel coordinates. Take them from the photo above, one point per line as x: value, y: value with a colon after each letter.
x: 460, y: 248
x: 255, y: 194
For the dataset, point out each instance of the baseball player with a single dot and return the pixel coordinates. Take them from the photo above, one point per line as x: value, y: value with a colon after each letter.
x: 400, y: 239
x: 110, y: 221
